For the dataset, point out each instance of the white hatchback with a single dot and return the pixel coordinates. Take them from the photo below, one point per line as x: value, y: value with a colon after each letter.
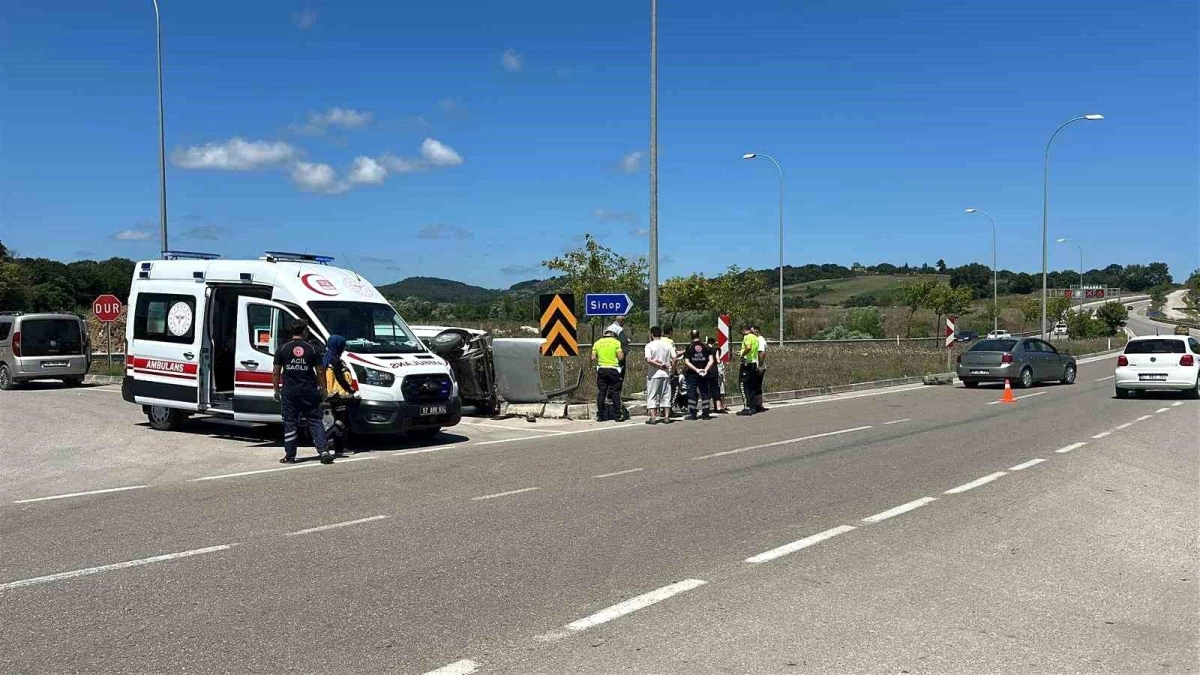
x: 1159, y: 363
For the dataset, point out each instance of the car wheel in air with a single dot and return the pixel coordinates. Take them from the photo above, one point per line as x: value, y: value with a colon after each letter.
x: 1069, y: 374
x: 6, y: 381
x: 164, y: 419
x: 1026, y: 378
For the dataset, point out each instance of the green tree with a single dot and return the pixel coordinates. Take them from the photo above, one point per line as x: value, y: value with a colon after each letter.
x: 1031, y: 311
x: 975, y: 276
x: 1081, y: 325
x: 945, y: 301
x: 917, y: 296
x: 14, y: 287
x: 1158, y: 297
x: 1056, y: 308
x: 593, y: 268
x: 1113, y: 316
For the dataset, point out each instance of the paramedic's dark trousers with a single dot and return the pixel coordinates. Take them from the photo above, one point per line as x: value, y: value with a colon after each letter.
x: 297, y: 410
x: 608, y: 394
x: 698, y: 394
x: 749, y: 384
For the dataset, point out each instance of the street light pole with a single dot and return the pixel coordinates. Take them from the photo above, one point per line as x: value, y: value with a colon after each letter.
x: 1065, y: 240
x: 1046, y: 206
x: 653, y: 162
x: 995, y: 277
x: 162, y: 145
x: 752, y: 155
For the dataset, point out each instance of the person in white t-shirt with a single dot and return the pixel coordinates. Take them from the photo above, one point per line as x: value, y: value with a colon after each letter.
x: 762, y: 369
x: 658, y: 377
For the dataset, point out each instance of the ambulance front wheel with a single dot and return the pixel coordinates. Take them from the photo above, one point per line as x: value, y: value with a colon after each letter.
x: 164, y: 419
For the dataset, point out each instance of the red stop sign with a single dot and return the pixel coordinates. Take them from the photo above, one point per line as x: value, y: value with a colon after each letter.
x: 107, y: 308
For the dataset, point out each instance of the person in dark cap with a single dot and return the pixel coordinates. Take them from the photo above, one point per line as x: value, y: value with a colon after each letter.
x: 299, y: 381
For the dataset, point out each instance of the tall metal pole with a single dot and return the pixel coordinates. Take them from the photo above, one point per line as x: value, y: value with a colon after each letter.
x: 1046, y: 209
x: 752, y: 155
x: 653, y: 162
x: 162, y: 145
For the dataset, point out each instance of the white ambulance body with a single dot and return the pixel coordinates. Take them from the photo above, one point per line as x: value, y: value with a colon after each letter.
x: 202, y: 334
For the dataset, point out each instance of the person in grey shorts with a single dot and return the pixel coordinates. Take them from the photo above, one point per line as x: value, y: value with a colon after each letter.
x: 659, y: 356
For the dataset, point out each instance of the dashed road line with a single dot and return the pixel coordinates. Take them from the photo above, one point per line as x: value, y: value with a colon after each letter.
x: 115, y: 566
x: 1074, y: 446
x: 903, y: 508
x: 1124, y: 426
x: 1018, y: 398
x: 618, y: 473
x: 501, y: 426
x: 562, y: 433
x: 1026, y: 465
x: 1162, y: 410
x: 1176, y: 404
x: 1102, y: 434
x: 785, y: 442
x: 78, y: 494
x: 301, y: 465
x: 334, y: 526
x: 906, y: 419
x: 975, y: 483
x: 1101, y: 379
x: 622, y: 608
x: 799, y: 544
x: 418, y: 451
x: 463, y: 667
x: 505, y: 494
x: 1143, y: 418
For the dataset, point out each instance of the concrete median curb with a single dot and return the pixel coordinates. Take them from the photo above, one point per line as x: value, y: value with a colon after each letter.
x: 102, y: 379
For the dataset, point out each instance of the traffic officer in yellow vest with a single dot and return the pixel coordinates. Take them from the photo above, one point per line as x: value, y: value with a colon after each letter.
x: 608, y: 357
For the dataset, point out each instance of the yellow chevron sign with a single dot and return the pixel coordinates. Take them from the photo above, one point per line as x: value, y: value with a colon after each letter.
x: 559, y: 325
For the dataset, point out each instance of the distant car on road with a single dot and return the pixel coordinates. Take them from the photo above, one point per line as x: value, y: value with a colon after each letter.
x: 1060, y: 328
x: 1159, y: 363
x: 1000, y: 334
x: 1025, y: 361
x: 1182, y: 330
x: 965, y: 336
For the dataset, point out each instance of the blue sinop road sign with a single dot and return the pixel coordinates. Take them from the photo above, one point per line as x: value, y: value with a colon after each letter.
x: 606, y: 304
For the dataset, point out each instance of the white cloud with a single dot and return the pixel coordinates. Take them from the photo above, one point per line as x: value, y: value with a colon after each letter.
x: 640, y: 232
x: 236, y: 154
x: 512, y: 61
x: 400, y: 164
x: 305, y: 18
x: 317, y: 177
x: 632, y: 162
x: 336, y: 117
x: 439, y: 154
x: 139, y: 232
x: 442, y: 231
x: 615, y: 216
x: 367, y: 171
x: 205, y: 232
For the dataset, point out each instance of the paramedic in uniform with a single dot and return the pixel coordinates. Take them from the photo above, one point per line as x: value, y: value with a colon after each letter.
x: 698, y: 360
x: 608, y: 356
x: 618, y: 330
x: 749, y: 373
x: 299, y: 381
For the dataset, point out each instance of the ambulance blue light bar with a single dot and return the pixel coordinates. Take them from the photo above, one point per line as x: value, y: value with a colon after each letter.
x: 284, y: 256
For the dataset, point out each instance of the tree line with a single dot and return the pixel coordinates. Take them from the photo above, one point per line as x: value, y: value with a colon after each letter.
x: 43, y: 285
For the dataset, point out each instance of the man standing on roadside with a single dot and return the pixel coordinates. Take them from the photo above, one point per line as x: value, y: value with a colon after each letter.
x: 748, y: 377
x: 299, y: 381
x: 618, y: 330
x: 608, y: 357
x: 762, y: 369
x: 698, y: 360
x: 658, y: 377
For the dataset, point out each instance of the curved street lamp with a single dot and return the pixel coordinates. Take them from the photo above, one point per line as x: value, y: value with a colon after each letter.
x: 995, y: 282
x: 1066, y: 240
x: 752, y: 155
x: 1046, y: 204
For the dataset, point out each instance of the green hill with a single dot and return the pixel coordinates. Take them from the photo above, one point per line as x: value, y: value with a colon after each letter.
x: 886, y: 288
x: 435, y: 289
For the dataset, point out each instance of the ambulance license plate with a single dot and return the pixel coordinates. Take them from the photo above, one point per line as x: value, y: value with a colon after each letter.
x: 55, y: 364
x: 433, y: 410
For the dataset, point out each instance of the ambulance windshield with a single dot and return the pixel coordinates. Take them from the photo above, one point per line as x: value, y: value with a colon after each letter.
x: 369, y: 327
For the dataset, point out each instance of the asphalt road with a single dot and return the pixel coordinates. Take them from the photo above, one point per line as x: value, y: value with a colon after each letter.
x: 1140, y: 324
x: 906, y: 529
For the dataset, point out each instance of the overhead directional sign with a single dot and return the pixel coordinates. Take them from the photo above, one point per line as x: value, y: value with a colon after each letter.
x: 557, y: 311
x: 606, y: 304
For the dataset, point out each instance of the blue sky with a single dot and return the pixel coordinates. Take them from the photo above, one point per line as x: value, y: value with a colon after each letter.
x: 473, y: 140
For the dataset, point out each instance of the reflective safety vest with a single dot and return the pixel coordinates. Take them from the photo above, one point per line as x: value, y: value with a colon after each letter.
x: 606, y: 349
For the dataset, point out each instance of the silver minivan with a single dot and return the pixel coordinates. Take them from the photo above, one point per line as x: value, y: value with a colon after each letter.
x: 43, y: 347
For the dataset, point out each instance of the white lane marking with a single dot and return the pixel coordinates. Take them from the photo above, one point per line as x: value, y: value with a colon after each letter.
x: 975, y: 483
x: 418, y: 451
x: 799, y: 544
x: 1026, y: 465
x: 518, y: 430
x: 1105, y: 378
x: 115, y: 566
x: 1018, y: 398
x: 906, y: 419
x: 618, y: 473
x: 777, y: 443
x: 1176, y: 404
x: 562, y: 433
x: 505, y: 494
x: 903, y: 508
x: 79, y: 494
x: 322, y: 528
x: 464, y: 667
x: 1162, y: 410
x: 1124, y: 426
x: 830, y: 398
x: 1073, y: 446
x: 622, y: 608
x: 1102, y: 434
x: 302, y: 465
x: 1143, y: 418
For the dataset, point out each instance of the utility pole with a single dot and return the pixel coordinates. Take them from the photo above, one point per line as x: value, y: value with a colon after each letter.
x: 162, y: 145
x: 653, y: 162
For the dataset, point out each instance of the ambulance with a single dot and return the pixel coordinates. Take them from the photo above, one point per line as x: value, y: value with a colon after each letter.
x: 202, y: 332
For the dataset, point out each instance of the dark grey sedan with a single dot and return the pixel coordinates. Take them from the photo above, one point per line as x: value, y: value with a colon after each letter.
x: 1025, y: 361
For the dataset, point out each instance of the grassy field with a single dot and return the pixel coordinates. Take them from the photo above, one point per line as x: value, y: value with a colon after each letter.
x: 833, y: 291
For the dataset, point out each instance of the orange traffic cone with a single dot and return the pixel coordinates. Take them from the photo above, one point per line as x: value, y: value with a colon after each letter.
x: 1008, y: 397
